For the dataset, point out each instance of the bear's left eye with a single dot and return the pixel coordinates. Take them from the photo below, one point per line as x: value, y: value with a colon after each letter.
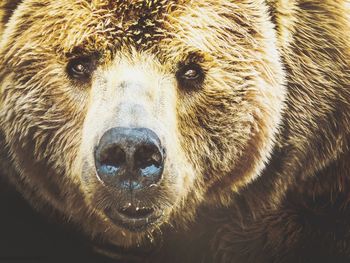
x: 190, y: 76
x: 81, y: 68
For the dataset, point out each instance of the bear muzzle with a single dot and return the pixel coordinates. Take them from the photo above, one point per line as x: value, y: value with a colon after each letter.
x: 130, y: 161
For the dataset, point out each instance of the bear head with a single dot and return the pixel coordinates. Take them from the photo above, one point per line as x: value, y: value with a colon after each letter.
x: 124, y: 116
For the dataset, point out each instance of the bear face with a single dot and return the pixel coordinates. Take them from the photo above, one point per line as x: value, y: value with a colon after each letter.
x: 127, y: 115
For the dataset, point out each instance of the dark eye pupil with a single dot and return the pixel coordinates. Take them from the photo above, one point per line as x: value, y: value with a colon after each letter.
x: 191, y: 74
x: 81, y: 68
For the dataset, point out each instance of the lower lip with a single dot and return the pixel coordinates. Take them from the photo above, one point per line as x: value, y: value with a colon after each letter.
x: 134, y: 224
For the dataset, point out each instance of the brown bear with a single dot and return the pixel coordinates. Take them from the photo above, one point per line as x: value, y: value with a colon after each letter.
x: 179, y: 130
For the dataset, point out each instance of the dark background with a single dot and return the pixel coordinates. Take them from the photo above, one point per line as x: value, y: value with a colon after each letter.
x: 26, y: 236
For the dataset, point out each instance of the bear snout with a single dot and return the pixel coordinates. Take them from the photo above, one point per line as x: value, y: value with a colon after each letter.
x: 129, y: 159
x: 129, y: 163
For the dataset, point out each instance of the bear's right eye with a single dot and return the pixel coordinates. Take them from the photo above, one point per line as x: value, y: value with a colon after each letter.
x: 81, y: 68
x: 190, y: 76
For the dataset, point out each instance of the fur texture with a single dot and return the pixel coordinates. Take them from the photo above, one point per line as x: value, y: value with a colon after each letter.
x: 257, y: 155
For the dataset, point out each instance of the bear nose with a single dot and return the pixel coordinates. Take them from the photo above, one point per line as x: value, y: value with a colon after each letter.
x: 129, y: 158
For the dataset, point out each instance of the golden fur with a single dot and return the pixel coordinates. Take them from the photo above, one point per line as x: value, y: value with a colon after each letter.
x: 272, y: 113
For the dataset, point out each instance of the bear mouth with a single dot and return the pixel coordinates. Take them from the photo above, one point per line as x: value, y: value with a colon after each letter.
x: 134, y: 218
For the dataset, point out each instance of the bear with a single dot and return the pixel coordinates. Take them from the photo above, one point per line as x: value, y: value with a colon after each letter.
x: 179, y: 130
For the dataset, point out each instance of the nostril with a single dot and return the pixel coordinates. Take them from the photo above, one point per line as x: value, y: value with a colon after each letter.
x: 113, y: 156
x: 148, y: 156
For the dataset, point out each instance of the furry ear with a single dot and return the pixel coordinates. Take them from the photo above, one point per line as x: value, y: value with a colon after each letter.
x: 7, y: 7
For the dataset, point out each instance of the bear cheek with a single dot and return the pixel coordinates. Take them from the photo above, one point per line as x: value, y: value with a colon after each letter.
x: 43, y: 137
x: 229, y: 143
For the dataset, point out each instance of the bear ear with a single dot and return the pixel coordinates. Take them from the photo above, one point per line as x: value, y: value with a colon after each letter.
x: 7, y: 7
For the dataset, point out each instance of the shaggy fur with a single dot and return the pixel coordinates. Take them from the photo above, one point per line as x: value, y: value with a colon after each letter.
x: 257, y: 156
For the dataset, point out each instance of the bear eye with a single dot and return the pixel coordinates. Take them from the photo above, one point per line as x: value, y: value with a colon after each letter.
x: 81, y: 68
x: 190, y: 76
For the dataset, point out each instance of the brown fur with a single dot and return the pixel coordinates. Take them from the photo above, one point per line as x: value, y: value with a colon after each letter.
x: 265, y: 141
